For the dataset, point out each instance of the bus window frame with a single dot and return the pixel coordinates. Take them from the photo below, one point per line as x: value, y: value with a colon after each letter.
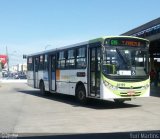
x: 46, y: 60
x: 60, y: 60
x: 81, y: 57
x: 75, y: 56
x: 68, y: 64
x: 30, y: 65
x: 41, y: 63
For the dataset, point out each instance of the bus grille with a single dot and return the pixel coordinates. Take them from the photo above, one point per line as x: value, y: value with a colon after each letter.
x: 125, y: 94
x: 139, y: 87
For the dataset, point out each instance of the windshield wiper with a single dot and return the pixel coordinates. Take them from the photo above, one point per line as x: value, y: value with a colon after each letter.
x: 122, y: 57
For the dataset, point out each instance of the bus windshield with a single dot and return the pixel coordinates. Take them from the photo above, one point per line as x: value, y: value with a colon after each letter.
x: 125, y: 62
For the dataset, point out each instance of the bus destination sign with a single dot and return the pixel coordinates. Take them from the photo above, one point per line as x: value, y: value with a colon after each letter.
x: 123, y: 42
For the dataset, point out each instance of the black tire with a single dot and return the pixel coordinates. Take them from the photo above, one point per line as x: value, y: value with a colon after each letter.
x: 81, y: 95
x: 42, y: 88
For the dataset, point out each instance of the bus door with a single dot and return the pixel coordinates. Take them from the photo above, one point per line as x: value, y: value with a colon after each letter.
x: 35, y: 73
x: 94, y: 71
x: 53, y: 72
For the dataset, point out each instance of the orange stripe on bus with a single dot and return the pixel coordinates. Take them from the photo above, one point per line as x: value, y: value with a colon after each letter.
x: 57, y: 74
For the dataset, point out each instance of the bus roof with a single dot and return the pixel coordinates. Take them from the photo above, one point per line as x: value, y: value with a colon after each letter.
x: 101, y: 39
x: 58, y: 49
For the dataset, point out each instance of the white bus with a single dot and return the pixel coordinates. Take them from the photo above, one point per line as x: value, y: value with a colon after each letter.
x: 105, y: 68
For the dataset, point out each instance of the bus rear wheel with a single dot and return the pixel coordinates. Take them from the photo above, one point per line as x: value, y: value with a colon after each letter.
x: 81, y: 95
x: 42, y: 88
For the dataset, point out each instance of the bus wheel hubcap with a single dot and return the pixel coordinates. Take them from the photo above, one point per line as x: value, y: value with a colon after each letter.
x: 81, y: 95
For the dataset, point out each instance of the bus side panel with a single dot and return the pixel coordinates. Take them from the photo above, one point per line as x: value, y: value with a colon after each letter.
x: 46, y: 80
x: 30, y: 80
x: 62, y: 81
x: 72, y: 87
x: 66, y: 80
x: 38, y: 78
x: 74, y: 78
x: 43, y: 75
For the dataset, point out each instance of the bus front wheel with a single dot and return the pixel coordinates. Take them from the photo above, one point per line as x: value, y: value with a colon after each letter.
x: 81, y: 95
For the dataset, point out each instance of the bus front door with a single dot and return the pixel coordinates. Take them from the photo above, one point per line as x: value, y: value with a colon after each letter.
x: 53, y: 73
x: 94, y: 71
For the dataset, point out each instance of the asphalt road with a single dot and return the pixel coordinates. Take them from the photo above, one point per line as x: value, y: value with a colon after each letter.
x: 24, y: 110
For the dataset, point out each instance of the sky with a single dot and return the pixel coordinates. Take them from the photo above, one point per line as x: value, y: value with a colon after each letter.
x: 29, y: 26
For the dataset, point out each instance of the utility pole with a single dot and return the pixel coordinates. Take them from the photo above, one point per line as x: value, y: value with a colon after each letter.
x: 7, y: 57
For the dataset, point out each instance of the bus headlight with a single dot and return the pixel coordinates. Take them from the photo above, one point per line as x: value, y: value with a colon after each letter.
x: 106, y: 83
x: 109, y: 86
x: 145, y: 87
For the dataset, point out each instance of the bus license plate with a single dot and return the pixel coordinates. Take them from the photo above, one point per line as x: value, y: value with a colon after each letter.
x: 131, y: 93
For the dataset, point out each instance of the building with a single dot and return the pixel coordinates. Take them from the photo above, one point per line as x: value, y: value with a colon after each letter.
x: 150, y: 31
x: 19, y: 68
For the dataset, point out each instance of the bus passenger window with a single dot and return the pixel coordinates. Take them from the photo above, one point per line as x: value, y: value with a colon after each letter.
x: 61, y: 60
x: 46, y: 62
x: 36, y: 64
x: 81, y: 58
x: 30, y: 64
x: 70, y: 62
x: 41, y: 62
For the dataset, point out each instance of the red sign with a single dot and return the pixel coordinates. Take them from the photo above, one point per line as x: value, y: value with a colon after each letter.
x: 3, y: 59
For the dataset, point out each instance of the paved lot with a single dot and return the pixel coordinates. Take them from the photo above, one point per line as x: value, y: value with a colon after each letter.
x: 23, y: 110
